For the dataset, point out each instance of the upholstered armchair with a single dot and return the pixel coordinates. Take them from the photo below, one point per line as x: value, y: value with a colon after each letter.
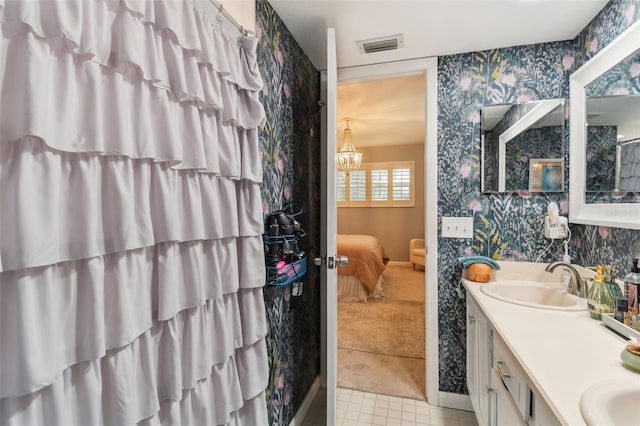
x: 417, y: 252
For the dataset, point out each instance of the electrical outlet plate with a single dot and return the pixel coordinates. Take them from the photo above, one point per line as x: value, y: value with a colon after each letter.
x: 457, y: 227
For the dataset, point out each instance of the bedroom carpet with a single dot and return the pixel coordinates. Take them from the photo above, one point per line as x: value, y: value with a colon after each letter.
x: 382, y: 326
x: 381, y: 344
x: 401, y: 282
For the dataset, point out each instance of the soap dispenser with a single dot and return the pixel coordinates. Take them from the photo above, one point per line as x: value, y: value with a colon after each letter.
x: 600, y: 299
x: 616, y: 291
x: 632, y: 288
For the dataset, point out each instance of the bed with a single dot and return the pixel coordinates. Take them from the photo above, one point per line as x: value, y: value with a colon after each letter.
x: 362, y: 277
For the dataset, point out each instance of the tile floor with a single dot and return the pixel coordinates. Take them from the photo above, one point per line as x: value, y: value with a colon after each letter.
x: 356, y: 408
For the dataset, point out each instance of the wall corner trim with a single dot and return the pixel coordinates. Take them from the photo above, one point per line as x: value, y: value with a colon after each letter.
x: 307, y: 401
x: 455, y: 400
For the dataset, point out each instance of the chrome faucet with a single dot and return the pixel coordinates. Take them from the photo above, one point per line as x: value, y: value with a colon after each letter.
x: 577, y: 286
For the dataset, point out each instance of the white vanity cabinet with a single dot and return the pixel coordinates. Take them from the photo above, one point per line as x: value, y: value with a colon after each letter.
x: 479, y: 362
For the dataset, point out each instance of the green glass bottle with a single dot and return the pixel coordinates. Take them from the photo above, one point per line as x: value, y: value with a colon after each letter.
x: 600, y: 300
x: 615, y: 289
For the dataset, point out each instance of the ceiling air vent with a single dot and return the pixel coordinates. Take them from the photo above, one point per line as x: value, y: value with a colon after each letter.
x: 381, y: 44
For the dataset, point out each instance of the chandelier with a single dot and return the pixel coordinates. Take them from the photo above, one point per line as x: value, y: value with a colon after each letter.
x: 347, y: 157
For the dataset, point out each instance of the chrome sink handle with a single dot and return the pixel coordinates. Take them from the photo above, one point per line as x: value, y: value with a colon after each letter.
x: 577, y: 286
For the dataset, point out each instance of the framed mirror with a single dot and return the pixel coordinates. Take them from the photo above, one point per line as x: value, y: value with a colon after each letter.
x: 522, y: 147
x: 599, y: 91
x: 613, y: 146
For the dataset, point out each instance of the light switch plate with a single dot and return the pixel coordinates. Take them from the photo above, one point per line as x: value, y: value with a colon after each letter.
x: 457, y: 227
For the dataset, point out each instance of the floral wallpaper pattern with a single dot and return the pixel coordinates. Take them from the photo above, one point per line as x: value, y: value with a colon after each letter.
x: 623, y: 79
x: 601, y: 158
x: 291, y: 160
x: 489, y: 161
x: 543, y: 142
x: 508, y: 226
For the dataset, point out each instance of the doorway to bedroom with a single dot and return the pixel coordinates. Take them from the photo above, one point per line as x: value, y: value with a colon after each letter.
x: 381, y: 311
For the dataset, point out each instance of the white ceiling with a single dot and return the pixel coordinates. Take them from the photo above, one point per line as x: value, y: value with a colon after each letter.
x: 430, y: 27
x: 383, y: 112
x: 392, y: 112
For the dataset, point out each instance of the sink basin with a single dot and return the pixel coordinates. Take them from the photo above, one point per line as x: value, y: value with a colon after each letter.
x: 613, y: 402
x: 534, y: 294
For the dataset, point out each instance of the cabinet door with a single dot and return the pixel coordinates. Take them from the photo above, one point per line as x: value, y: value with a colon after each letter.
x: 479, y: 362
x: 485, y: 362
x: 472, y: 353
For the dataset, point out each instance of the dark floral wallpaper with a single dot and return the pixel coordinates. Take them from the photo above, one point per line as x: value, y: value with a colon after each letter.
x: 508, y: 226
x: 291, y: 160
x: 490, y: 160
x: 623, y: 79
x: 542, y: 142
x: 601, y: 158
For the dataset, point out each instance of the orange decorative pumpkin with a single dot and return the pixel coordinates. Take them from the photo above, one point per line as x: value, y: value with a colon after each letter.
x: 479, y: 272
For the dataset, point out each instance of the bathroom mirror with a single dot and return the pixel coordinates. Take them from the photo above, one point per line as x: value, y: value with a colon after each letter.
x: 596, y: 89
x: 522, y: 146
x: 613, y: 146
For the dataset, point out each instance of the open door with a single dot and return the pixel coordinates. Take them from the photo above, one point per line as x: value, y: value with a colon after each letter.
x: 329, y: 344
x: 428, y: 66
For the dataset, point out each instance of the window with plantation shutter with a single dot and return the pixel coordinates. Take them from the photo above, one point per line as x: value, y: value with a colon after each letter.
x: 341, y: 181
x: 358, y: 185
x: 401, y: 184
x: 388, y: 184
x: 379, y: 185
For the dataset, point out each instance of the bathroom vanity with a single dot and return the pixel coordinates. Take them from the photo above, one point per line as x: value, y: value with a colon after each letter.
x: 531, y: 365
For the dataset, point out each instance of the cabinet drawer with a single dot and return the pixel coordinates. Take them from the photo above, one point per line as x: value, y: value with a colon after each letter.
x: 505, y: 412
x: 512, y: 376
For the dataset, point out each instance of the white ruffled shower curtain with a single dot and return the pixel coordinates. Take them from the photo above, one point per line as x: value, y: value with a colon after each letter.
x: 131, y: 258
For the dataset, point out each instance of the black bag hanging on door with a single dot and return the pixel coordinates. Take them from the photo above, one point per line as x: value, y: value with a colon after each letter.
x: 283, y: 223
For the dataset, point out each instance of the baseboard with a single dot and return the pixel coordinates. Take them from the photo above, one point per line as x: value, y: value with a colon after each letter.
x: 306, y: 403
x: 399, y: 263
x: 455, y: 400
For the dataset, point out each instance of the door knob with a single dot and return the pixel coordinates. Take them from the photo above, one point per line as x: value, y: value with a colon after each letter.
x: 331, y: 262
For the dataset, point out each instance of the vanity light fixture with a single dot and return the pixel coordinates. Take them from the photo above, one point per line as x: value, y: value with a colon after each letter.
x: 347, y: 157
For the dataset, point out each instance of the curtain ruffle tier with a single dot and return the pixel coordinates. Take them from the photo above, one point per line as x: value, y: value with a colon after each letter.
x: 75, y: 311
x: 130, y: 385
x: 131, y: 259
x: 117, y: 113
x: 105, y: 198
x: 166, y: 41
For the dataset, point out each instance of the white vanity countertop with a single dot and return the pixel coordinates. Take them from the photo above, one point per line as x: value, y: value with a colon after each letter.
x: 562, y: 352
